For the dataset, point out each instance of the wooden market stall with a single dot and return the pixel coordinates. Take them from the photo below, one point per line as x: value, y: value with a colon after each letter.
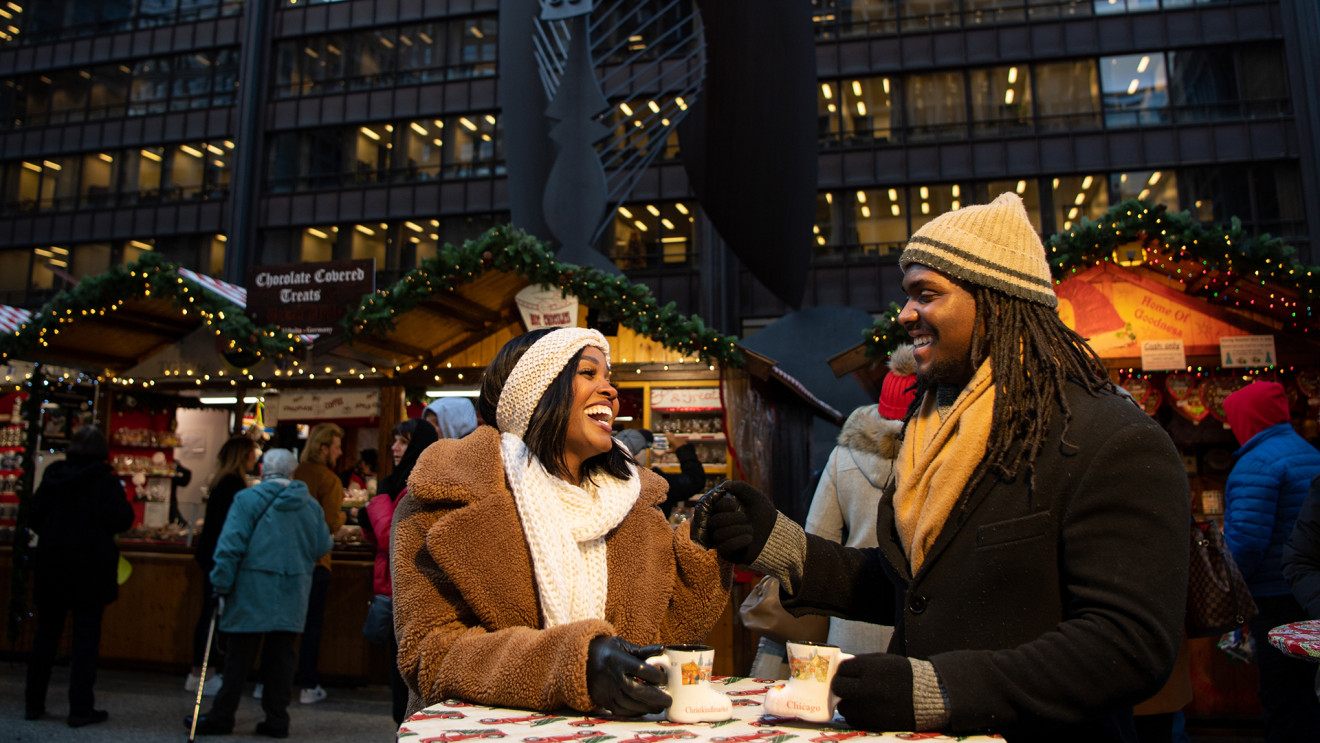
x: 437, y: 327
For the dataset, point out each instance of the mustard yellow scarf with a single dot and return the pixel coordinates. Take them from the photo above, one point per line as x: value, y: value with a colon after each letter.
x: 937, y: 459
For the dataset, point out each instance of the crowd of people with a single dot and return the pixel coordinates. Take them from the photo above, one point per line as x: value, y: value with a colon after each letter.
x: 1000, y: 525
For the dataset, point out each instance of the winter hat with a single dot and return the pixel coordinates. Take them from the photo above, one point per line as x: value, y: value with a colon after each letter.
x: 634, y: 439
x: 278, y: 464
x: 535, y: 370
x: 1255, y: 408
x: 899, y: 387
x: 992, y: 245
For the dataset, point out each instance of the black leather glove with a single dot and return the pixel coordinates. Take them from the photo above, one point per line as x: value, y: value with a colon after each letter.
x: 875, y: 692
x: 619, y: 680
x: 736, y: 519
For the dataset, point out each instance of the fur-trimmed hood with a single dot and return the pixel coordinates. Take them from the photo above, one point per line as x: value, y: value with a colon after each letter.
x: 868, y: 431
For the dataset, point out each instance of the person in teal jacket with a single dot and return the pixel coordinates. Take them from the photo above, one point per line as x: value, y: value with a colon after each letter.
x: 272, y: 538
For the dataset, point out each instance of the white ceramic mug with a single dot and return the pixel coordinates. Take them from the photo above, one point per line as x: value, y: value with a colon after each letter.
x: 806, y: 695
x: 694, y: 699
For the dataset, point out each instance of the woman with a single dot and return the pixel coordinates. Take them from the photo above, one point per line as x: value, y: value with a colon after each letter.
x: 237, y: 457
x: 264, y: 559
x: 76, y: 512
x: 411, y: 437
x: 530, y: 557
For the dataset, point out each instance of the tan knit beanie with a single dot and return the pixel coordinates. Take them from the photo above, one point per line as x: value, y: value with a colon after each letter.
x: 535, y: 370
x: 993, y: 245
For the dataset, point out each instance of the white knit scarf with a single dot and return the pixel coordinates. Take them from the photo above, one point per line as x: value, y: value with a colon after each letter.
x: 565, y: 527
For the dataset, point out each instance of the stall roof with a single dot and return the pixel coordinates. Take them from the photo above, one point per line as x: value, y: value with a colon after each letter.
x: 114, y: 321
x: 795, y: 351
x: 464, y: 297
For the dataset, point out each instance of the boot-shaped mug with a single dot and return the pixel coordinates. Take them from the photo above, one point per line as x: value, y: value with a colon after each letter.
x: 806, y: 695
x: 695, y: 700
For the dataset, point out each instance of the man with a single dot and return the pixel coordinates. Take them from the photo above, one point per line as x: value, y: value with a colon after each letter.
x: 316, y: 468
x: 1036, y: 544
x: 1262, y: 499
x: 263, y: 573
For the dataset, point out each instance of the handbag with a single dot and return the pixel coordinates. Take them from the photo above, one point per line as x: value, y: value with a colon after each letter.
x: 1218, y: 598
x: 762, y: 613
x: 379, y: 627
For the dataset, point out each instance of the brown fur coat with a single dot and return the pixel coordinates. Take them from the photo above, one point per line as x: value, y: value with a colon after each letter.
x: 465, y: 608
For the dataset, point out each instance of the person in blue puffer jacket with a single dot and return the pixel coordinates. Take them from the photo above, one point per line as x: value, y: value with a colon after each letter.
x: 273, y: 536
x: 1263, y: 497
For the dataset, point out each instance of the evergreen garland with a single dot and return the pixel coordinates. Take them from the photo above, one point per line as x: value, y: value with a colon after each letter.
x: 506, y: 248
x: 1174, y: 242
x: 151, y: 276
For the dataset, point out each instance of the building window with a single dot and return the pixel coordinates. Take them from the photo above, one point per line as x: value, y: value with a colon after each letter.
x: 1001, y: 100
x: 880, y: 220
x: 652, y: 234
x: 142, y: 171
x: 1152, y: 186
x: 1135, y: 90
x: 1076, y: 197
x: 386, y: 57
x: 1067, y: 96
x: 928, y: 202
x: 935, y: 106
x: 100, y: 180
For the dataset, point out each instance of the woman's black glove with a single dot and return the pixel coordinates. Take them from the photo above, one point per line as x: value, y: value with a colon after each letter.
x: 620, y: 681
x: 875, y: 692
x: 736, y: 519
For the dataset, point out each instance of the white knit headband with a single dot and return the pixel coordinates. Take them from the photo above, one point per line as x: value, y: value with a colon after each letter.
x: 534, y: 372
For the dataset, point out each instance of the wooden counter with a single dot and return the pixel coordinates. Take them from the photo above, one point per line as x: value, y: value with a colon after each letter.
x: 151, y: 625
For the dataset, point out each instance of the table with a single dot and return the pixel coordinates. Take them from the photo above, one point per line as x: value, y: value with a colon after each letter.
x: 1299, y: 639
x: 453, y: 720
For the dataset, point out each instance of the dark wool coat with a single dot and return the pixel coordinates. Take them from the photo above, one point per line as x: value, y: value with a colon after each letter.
x: 76, y: 512
x: 1301, y: 555
x: 1046, y: 614
x: 466, y: 613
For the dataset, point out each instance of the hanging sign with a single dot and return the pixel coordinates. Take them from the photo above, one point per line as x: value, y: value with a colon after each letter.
x: 1247, y: 350
x: 324, y: 405
x: 1163, y: 355
x: 685, y: 398
x: 543, y: 307
x: 308, y: 297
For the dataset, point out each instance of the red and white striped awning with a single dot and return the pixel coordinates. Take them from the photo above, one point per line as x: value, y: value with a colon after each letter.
x: 231, y: 292
x: 12, y: 318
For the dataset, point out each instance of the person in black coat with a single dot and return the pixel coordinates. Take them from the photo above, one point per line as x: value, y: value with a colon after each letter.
x: 237, y: 457
x: 411, y: 437
x: 1032, y: 550
x: 76, y: 511
x: 1301, y: 554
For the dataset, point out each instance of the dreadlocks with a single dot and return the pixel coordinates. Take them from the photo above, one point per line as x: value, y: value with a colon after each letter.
x: 1033, y: 355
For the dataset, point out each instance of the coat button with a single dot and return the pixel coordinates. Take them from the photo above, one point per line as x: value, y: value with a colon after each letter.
x: 917, y: 604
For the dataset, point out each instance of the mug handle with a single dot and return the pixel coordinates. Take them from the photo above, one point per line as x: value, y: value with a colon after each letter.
x: 660, y: 661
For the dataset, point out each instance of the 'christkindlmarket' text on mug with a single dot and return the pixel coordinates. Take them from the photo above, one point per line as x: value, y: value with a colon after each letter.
x: 695, y: 700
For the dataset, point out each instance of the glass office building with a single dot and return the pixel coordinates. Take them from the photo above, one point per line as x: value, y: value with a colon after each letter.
x: 224, y: 133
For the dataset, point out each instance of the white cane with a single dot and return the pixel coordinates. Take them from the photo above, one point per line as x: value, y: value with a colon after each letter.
x: 197, y: 706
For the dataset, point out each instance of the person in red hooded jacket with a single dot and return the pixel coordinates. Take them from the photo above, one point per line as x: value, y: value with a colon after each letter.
x: 1264, y: 494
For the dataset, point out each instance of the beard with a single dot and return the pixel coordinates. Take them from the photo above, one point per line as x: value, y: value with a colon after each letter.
x: 946, y: 371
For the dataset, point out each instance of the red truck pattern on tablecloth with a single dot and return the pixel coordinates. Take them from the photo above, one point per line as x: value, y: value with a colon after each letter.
x: 456, y: 721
